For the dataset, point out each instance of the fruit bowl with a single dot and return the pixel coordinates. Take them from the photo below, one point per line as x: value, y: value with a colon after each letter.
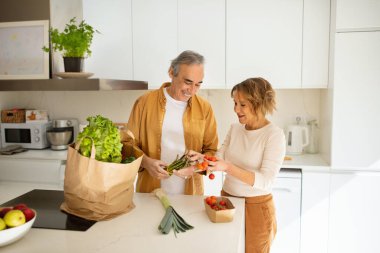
x: 219, y: 209
x: 10, y: 235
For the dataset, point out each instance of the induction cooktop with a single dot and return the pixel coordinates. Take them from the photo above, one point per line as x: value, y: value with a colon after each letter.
x: 47, y: 203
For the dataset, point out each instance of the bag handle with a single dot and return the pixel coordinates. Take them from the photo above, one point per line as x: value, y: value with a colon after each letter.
x: 93, y: 149
x: 125, y: 131
x: 129, y: 132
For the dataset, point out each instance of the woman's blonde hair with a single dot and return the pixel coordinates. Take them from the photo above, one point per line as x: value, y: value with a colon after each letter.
x: 259, y: 93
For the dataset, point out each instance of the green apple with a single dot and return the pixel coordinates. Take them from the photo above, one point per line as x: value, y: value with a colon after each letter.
x: 14, y: 218
x: 2, y: 224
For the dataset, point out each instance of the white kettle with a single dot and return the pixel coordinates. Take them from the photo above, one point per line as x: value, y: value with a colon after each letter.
x: 297, y: 138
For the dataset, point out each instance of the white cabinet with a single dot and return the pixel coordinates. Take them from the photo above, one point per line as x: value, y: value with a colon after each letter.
x: 316, y: 39
x: 163, y: 29
x: 201, y: 27
x: 356, y: 103
x: 287, y: 199
x: 354, y: 14
x: 354, y: 213
x: 112, y: 48
x: 264, y: 38
x: 31, y: 170
x: 155, y: 42
x: 285, y: 42
x: 315, y: 212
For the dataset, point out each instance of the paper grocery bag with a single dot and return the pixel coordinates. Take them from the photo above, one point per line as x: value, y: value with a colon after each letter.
x: 96, y: 190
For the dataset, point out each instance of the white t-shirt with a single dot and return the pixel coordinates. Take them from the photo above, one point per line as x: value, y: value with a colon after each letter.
x: 173, y: 142
x: 261, y: 151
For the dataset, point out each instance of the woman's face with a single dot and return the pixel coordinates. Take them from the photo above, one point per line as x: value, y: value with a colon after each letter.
x: 243, y: 109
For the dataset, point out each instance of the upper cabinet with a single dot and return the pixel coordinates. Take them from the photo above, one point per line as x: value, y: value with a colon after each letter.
x: 357, y: 15
x: 112, y: 47
x: 201, y: 27
x: 155, y: 40
x: 264, y: 39
x: 284, y: 41
x: 172, y: 27
x: 316, y: 40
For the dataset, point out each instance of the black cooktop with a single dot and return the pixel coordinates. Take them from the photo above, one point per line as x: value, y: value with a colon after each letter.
x: 49, y: 215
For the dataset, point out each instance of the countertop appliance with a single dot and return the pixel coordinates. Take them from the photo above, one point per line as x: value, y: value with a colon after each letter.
x: 297, y: 138
x: 30, y: 135
x: 287, y: 198
x: 47, y: 203
x: 63, y: 132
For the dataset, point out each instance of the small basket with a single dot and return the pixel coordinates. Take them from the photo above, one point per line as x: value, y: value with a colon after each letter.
x: 13, y: 116
x: 219, y: 216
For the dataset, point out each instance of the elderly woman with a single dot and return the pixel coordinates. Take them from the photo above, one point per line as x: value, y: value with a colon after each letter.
x: 251, y: 157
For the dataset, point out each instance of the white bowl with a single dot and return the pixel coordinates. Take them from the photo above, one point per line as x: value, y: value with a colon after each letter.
x: 11, y: 235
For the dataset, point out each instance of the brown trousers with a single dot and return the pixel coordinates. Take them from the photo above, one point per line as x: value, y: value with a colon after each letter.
x: 260, y: 223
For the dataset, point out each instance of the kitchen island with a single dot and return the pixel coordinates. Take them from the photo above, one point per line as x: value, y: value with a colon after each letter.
x: 135, y: 231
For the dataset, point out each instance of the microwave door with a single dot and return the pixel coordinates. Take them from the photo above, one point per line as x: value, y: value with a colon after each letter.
x: 14, y: 135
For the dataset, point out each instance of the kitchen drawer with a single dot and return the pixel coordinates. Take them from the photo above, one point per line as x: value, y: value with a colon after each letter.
x: 23, y: 170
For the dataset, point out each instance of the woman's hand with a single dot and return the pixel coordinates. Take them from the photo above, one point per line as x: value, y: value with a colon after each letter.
x: 219, y: 165
x: 154, y: 167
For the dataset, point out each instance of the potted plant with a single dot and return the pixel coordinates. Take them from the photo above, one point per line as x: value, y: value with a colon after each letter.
x: 74, y: 43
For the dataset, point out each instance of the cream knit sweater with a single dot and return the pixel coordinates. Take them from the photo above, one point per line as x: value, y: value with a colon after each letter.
x: 260, y: 151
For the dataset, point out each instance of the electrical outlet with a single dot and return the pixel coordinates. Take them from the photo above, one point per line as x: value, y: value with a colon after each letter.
x: 300, y: 119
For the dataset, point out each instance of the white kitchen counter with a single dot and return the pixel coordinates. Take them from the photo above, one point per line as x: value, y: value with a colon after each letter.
x: 43, y: 154
x: 306, y: 161
x: 137, y: 230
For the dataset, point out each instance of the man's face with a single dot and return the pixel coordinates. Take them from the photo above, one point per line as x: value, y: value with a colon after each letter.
x: 187, y: 82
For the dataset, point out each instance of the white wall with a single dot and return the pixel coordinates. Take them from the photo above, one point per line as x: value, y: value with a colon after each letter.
x: 116, y: 105
x: 61, y: 12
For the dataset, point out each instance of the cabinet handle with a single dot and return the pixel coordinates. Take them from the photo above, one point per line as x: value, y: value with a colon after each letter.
x: 283, y: 189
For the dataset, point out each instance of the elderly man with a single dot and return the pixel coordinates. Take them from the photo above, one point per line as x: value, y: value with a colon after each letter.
x: 168, y: 121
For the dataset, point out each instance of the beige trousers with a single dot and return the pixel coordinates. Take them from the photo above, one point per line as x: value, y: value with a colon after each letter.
x: 260, y: 223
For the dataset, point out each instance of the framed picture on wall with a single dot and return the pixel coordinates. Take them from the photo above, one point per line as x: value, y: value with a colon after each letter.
x: 21, y: 54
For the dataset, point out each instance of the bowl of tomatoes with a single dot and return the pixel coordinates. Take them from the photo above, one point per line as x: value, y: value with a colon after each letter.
x: 219, y: 209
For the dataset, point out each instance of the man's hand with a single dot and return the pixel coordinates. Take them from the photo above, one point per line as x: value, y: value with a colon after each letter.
x: 154, y: 167
x: 194, y: 156
x: 185, y: 172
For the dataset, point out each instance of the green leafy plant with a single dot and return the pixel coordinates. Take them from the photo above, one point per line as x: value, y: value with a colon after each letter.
x: 74, y: 41
x: 106, y: 138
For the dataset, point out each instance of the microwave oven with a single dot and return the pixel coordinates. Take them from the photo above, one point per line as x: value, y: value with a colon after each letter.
x: 30, y: 135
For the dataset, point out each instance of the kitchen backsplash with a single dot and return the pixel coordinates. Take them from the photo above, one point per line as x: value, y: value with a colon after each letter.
x: 117, y: 105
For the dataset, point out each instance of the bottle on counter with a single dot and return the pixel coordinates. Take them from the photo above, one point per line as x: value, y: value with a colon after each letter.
x: 312, y: 148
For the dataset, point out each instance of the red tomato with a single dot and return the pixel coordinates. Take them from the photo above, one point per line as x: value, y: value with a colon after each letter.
x: 222, y: 203
x: 211, y: 176
x: 199, y: 166
x: 208, y: 201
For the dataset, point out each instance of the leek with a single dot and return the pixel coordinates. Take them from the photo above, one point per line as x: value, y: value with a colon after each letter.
x: 171, y: 218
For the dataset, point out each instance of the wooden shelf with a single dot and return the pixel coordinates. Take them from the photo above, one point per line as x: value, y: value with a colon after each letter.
x: 71, y: 85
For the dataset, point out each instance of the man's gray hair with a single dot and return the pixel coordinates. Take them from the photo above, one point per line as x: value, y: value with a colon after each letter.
x: 187, y: 57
